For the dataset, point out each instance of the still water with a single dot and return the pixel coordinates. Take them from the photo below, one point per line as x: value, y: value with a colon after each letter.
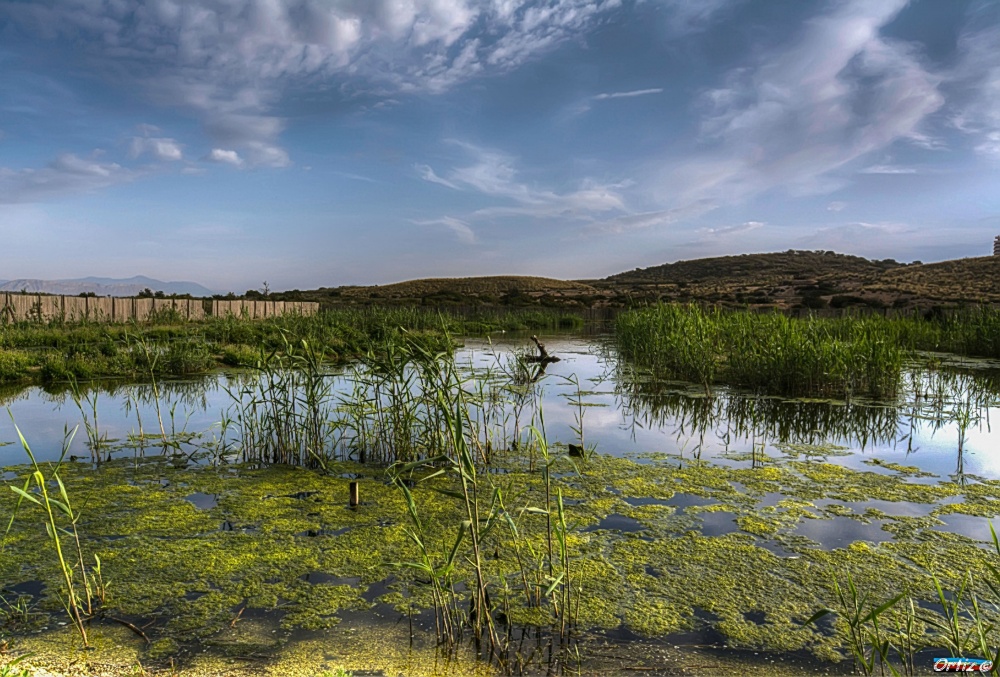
x: 939, y: 427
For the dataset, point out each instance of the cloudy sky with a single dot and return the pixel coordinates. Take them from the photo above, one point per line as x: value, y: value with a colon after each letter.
x: 326, y: 142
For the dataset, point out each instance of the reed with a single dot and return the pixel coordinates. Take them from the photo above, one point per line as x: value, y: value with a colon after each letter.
x: 770, y: 354
x: 56, y: 351
x: 60, y: 521
x: 869, y: 644
x: 282, y: 412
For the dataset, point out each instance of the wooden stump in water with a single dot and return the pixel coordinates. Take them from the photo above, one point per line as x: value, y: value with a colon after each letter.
x: 543, y: 356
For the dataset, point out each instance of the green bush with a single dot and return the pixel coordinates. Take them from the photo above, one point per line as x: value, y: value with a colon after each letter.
x: 14, y: 365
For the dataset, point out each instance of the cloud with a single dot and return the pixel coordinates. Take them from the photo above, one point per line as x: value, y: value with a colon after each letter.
x: 836, y: 206
x: 159, y: 148
x: 990, y: 145
x: 68, y: 173
x: 887, y: 169
x: 627, y: 95
x: 688, y: 16
x: 976, y: 83
x: 255, y: 135
x: 427, y: 174
x: 352, y: 176
x: 730, y: 230
x: 494, y: 174
x: 836, y: 94
x: 460, y: 228
x: 585, y: 106
x: 633, y: 222
x: 233, y: 63
x: 847, y: 237
x: 222, y: 156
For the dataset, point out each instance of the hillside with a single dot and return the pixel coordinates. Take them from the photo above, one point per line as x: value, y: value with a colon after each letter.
x: 812, y: 279
x: 104, y: 286
x: 758, y: 269
x: 502, y: 289
x: 972, y: 280
x: 792, y: 280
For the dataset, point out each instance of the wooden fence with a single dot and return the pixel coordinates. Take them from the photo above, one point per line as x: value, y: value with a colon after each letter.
x: 21, y: 307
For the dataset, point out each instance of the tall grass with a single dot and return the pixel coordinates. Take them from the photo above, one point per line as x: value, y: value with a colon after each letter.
x: 59, y: 351
x: 441, y: 427
x: 45, y: 489
x: 772, y: 354
x: 884, y: 639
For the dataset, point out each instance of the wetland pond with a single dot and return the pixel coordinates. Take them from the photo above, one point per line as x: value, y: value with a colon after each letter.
x: 699, y: 531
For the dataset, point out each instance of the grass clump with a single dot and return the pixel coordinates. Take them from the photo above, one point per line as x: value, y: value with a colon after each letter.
x: 59, y: 351
x: 773, y: 354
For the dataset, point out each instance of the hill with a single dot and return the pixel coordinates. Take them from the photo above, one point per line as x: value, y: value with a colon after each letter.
x: 498, y: 289
x: 758, y: 269
x: 813, y: 279
x: 104, y: 286
x: 972, y: 280
x: 791, y: 280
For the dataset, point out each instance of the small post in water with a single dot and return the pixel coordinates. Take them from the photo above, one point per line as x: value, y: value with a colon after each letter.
x: 354, y: 494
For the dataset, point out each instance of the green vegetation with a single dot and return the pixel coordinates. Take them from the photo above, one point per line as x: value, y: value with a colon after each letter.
x: 776, y: 354
x: 289, y: 535
x: 32, y: 352
x: 771, y: 353
x: 792, y: 280
x: 78, y: 590
x: 882, y: 636
x: 472, y: 524
x: 811, y: 280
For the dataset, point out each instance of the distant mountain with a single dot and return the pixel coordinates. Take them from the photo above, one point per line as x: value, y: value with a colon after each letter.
x: 104, y: 286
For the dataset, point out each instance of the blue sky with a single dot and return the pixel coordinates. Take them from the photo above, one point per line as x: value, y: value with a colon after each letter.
x: 327, y: 142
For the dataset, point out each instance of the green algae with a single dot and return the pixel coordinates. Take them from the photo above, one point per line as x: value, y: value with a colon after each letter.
x: 907, y: 470
x: 192, y: 572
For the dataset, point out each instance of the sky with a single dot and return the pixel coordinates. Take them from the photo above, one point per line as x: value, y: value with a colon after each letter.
x: 312, y: 143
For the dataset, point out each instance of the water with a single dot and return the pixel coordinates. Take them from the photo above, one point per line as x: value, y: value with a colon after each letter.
x: 936, y: 433
x: 623, y: 414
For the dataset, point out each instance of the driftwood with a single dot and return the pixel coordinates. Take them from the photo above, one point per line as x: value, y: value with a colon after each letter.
x: 543, y: 356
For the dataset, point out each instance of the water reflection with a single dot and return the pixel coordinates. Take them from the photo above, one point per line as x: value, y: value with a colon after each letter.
x: 933, y: 402
x: 941, y: 419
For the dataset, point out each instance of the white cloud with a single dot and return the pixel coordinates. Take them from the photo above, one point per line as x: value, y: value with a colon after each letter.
x: 159, y: 148
x: 846, y: 237
x: 633, y: 222
x: 976, y: 85
x: 459, y: 228
x: 627, y: 95
x: 350, y: 175
x: 836, y: 206
x: 494, y: 174
x: 990, y: 145
x: 427, y: 174
x: 731, y: 230
x: 230, y: 63
x: 838, y: 93
x: 887, y: 169
x: 67, y: 174
x: 222, y: 156
x: 688, y: 16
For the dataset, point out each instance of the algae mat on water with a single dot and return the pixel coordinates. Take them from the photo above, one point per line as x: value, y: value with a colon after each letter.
x: 253, y: 567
